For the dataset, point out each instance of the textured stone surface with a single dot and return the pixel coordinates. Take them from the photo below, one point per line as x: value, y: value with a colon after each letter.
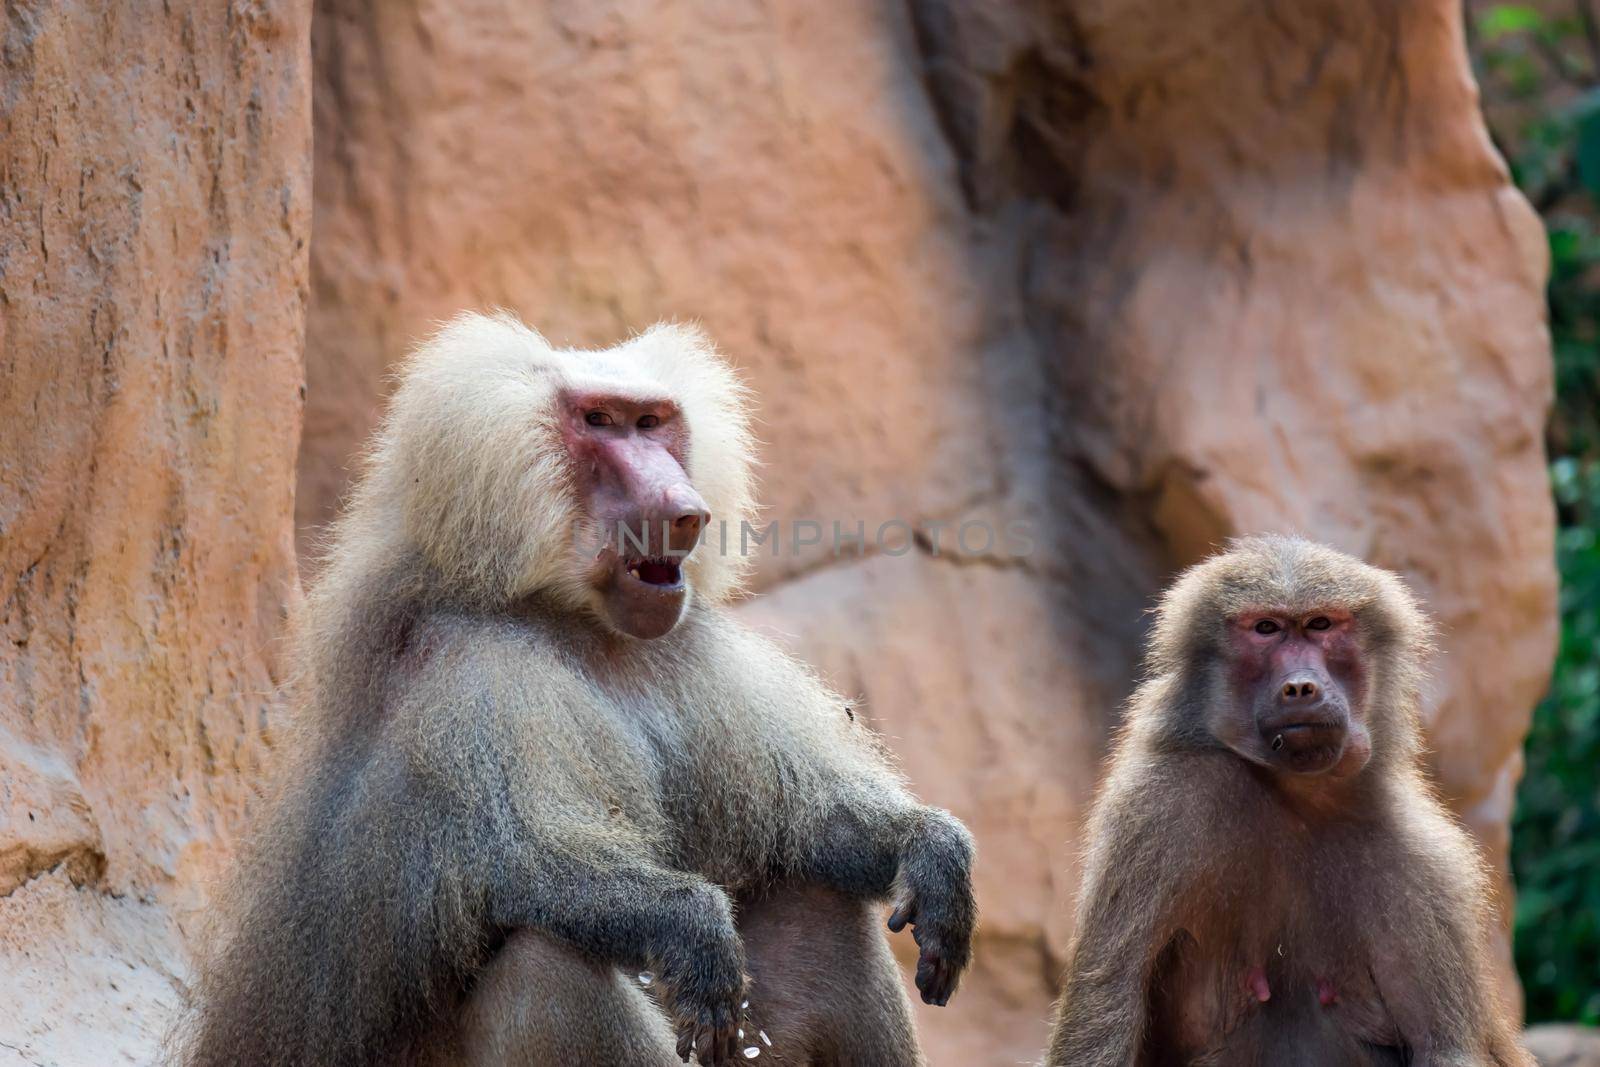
x: 1558, y: 1045
x: 1294, y: 290
x: 1144, y: 281
x: 154, y: 211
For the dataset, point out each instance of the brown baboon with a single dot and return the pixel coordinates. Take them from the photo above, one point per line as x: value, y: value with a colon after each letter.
x: 548, y: 802
x: 1269, y: 881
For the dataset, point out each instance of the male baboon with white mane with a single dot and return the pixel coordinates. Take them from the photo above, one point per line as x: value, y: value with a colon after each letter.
x: 547, y: 801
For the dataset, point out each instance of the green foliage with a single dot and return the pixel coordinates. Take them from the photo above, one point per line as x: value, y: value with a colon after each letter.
x: 1539, y: 67
x: 1504, y: 19
x: 1587, y: 151
x: 1556, y: 831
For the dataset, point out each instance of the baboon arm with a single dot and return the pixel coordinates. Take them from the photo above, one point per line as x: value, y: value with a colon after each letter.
x: 634, y: 914
x: 864, y: 840
x: 1128, y: 912
x: 1434, y: 983
x: 1429, y: 957
x: 623, y: 910
x: 1102, y: 1014
x: 875, y: 845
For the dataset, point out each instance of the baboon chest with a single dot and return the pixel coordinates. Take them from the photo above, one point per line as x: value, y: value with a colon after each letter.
x: 1268, y: 976
x: 703, y: 774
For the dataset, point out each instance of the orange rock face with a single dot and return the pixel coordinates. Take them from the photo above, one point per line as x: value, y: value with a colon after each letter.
x: 1134, y: 280
x: 1142, y: 281
x: 155, y: 203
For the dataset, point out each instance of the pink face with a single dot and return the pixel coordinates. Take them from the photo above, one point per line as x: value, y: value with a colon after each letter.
x: 628, y: 453
x: 1298, y: 687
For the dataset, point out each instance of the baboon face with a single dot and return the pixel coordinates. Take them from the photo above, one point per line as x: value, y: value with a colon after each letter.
x: 628, y: 455
x: 1295, y: 691
x: 579, y: 480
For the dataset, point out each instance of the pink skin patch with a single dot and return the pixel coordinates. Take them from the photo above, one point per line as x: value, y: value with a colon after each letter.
x: 1255, y: 983
x: 627, y: 456
x: 1274, y: 672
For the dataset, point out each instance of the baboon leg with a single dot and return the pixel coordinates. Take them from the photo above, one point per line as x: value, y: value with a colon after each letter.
x: 539, y: 1003
x: 823, y: 985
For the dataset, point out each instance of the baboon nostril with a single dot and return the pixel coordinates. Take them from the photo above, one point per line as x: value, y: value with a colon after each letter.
x: 690, y: 522
x: 1299, y: 690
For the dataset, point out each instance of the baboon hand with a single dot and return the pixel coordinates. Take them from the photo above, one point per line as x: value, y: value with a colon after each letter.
x: 708, y: 1005
x: 937, y: 902
x: 945, y: 946
x: 711, y: 1034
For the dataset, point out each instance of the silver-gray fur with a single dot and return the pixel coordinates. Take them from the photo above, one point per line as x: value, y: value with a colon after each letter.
x: 494, y: 811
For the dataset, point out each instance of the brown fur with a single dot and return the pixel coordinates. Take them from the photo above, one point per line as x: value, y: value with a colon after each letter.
x: 496, y: 810
x: 1201, y: 866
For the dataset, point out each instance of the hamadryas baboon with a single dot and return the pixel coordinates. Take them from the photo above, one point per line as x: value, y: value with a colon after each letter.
x: 1269, y: 879
x: 546, y: 800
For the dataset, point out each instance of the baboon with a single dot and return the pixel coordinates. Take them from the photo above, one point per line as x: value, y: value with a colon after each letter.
x: 1269, y: 881
x: 547, y: 801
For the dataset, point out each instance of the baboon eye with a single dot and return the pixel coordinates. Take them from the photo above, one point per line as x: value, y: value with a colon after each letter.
x: 1321, y: 622
x: 1267, y: 626
x: 649, y: 422
x: 597, y: 418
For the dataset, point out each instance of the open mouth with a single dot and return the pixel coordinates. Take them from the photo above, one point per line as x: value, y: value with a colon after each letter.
x: 663, y: 573
x: 644, y: 596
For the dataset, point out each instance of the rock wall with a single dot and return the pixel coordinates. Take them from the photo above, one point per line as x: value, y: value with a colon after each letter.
x: 1563, y: 1045
x: 1141, y: 282
x: 155, y: 194
x: 1144, y: 282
